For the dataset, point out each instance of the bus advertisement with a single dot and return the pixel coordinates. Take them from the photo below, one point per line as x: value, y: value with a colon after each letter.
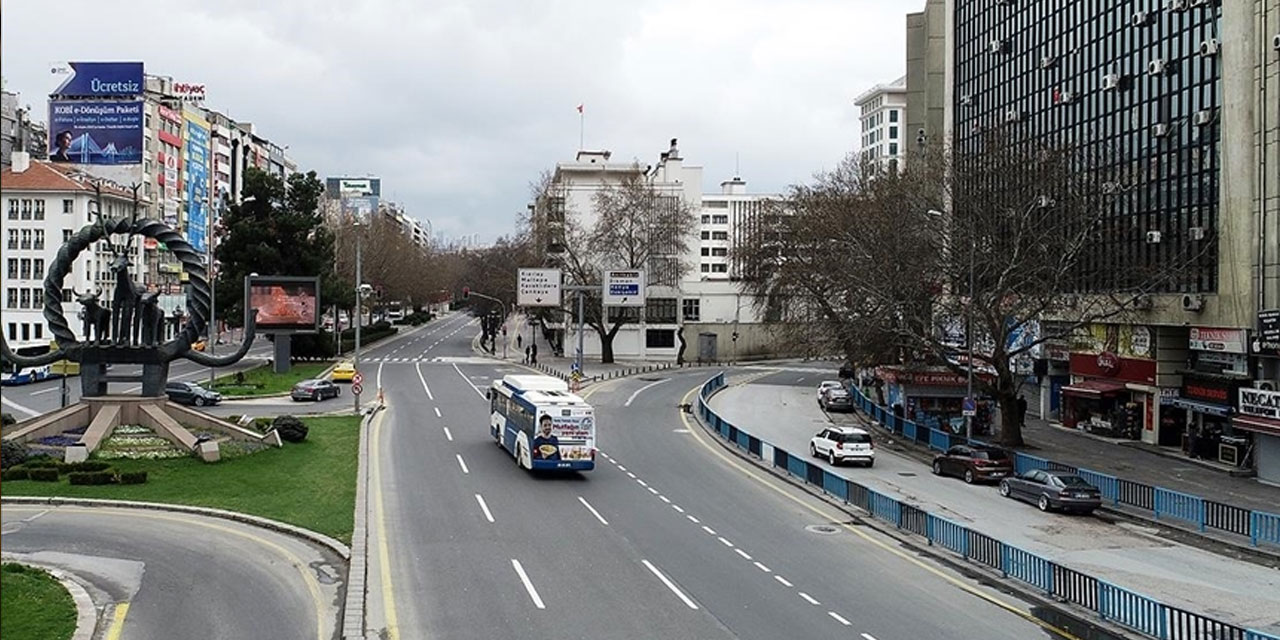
x: 538, y: 421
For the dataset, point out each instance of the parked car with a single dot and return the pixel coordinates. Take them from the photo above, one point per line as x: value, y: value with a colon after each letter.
x: 974, y: 463
x: 344, y: 372
x: 825, y: 386
x: 1052, y: 490
x: 837, y: 400
x: 843, y: 444
x: 316, y: 390
x: 191, y: 393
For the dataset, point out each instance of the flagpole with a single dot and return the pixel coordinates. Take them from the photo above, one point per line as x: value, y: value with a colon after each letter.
x: 582, y: 125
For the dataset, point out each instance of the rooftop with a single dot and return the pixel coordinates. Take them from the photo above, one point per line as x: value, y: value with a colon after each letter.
x: 43, y: 175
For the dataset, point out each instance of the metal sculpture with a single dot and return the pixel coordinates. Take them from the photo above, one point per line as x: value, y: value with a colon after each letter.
x: 97, y: 319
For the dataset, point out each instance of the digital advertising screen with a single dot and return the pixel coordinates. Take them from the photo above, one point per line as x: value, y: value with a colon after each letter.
x: 285, y: 304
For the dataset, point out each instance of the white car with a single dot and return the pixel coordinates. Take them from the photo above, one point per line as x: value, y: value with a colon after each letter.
x: 825, y: 386
x: 843, y: 444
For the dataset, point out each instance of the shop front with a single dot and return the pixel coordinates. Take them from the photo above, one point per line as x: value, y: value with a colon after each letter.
x: 1109, y: 395
x: 1209, y: 434
x: 932, y: 397
x: 1258, y: 414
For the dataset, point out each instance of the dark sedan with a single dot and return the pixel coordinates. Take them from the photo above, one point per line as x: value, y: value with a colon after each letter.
x: 316, y: 390
x: 191, y: 393
x: 974, y: 463
x: 837, y: 400
x: 1052, y: 490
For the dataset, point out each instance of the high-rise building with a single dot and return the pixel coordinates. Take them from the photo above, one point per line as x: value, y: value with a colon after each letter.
x: 881, y: 111
x: 926, y: 79
x: 18, y: 132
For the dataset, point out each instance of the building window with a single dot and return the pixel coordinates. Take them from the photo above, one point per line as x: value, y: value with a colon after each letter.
x: 893, y: 148
x: 660, y: 338
x: 706, y: 235
x: 68, y: 206
x: 705, y: 252
x: 624, y: 314
x: 719, y: 235
x: 37, y: 271
x: 691, y: 309
x: 11, y: 298
x: 66, y: 235
x: 13, y: 268
x: 720, y: 252
x: 720, y: 219
x: 893, y: 133
x: 26, y: 239
x: 706, y: 219
x: 26, y: 208
x: 13, y: 331
x: 39, y: 332
x: 660, y: 310
x: 706, y: 268
x: 25, y: 273
x: 715, y: 204
x: 24, y: 298
x: 13, y: 208
x: 39, y: 212
x: 893, y: 115
x: 39, y: 239
x: 13, y: 239
x: 720, y: 268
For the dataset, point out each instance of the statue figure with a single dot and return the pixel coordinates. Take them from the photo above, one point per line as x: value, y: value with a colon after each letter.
x: 126, y: 296
x: 149, y: 319
x: 97, y: 319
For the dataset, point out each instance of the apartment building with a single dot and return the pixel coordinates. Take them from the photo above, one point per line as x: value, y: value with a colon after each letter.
x: 881, y: 111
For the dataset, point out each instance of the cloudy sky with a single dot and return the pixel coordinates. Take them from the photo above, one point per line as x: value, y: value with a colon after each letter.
x: 459, y: 104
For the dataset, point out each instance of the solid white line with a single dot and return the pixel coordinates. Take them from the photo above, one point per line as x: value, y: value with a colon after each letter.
x: 438, y: 412
x: 839, y: 618
x: 418, y: 368
x: 726, y: 542
x: 670, y: 585
x: 380, y: 375
x: 868, y: 636
x: 593, y: 511
x: 448, y: 434
x: 678, y: 508
x: 484, y: 507
x: 528, y: 586
x: 30, y: 412
x: 693, y: 519
x: 709, y: 530
x: 783, y: 581
x: 742, y: 553
x: 762, y: 567
x: 808, y: 598
x: 468, y: 380
x: 641, y: 389
x: 44, y: 391
x: 461, y: 463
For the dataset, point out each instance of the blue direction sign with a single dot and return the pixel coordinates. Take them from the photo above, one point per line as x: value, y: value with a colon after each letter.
x: 970, y: 407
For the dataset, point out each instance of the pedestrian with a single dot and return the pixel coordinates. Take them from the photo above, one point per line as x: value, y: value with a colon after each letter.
x: 1022, y: 410
x: 533, y: 353
x: 519, y: 340
x: 526, y: 355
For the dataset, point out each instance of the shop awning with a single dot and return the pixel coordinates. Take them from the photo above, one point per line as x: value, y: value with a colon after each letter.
x: 1261, y: 425
x: 1094, y: 388
x: 1202, y: 407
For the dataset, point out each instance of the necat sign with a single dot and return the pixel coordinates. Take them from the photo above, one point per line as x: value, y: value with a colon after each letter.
x: 1260, y: 403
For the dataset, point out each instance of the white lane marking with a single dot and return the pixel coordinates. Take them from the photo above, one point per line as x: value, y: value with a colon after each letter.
x: 868, y: 636
x: 631, y: 475
x: 448, y: 434
x: 462, y: 463
x: 642, y: 482
x: 709, y: 530
x: 438, y: 412
x: 742, y: 553
x: 593, y: 511
x: 652, y: 490
x: 484, y: 507
x: 783, y: 580
x: 808, y: 598
x: 726, y: 542
x: 621, y: 468
x: 839, y: 618
x: 762, y: 567
x: 468, y: 381
x: 670, y: 585
x: 800, y: 379
x: 44, y: 391
x: 641, y: 389
x: 665, y: 499
x: 678, y: 508
x: 26, y: 410
x: 418, y: 368
x: 693, y: 519
x: 528, y: 585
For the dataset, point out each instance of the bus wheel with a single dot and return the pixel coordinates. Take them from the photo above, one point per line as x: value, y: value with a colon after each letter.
x: 520, y: 456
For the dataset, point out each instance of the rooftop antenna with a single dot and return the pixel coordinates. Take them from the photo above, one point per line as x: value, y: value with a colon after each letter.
x: 737, y: 173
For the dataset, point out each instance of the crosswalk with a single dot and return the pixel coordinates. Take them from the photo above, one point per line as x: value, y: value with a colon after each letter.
x: 430, y: 360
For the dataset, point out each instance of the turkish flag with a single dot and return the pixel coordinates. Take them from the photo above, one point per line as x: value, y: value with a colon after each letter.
x: 579, y: 108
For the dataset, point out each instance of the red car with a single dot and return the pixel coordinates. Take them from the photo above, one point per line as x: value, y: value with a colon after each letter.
x: 974, y: 463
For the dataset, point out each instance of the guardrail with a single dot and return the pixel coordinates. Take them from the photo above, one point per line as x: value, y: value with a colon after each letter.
x: 1122, y: 606
x: 1260, y: 527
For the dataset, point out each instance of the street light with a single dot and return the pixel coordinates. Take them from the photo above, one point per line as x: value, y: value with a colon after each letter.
x: 211, y: 244
x: 968, y: 330
x: 362, y: 291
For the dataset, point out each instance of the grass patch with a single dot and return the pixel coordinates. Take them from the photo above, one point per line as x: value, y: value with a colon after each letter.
x: 263, y: 381
x: 36, y: 606
x: 311, y: 484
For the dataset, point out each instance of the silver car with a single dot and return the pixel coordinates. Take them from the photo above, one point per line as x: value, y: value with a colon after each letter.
x: 1052, y: 490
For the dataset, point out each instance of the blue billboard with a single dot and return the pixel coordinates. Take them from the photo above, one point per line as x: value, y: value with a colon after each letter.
x: 102, y: 79
x: 197, y: 163
x: 95, y: 132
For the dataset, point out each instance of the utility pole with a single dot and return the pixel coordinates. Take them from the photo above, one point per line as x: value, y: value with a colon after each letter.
x: 582, y: 290
x: 213, y: 284
x: 359, y: 315
x: 503, y: 306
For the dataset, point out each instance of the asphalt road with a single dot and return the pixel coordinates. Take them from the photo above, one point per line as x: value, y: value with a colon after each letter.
x: 184, y: 576
x: 668, y: 538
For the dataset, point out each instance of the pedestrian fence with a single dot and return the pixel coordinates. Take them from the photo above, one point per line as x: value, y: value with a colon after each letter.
x: 1111, y: 602
x: 1165, y: 504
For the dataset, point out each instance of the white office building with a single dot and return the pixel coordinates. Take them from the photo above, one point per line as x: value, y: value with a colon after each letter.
x: 882, y: 116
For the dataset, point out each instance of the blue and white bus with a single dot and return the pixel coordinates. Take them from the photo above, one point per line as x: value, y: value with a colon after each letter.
x: 544, y: 426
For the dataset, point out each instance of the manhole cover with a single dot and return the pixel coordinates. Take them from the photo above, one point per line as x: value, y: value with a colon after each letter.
x: 822, y: 529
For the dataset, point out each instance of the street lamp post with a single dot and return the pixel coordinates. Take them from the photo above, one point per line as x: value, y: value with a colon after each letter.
x: 968, y: 329
x: 358, y: 313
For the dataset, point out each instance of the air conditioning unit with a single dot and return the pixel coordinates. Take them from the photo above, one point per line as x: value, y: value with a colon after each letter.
x: 1140, y: 19
x: 1196, y: 233
x: 1199, y: 3
x: 1048, y: 62
x: 1160, y: 130
x: 1192, y: 302
x: 1275, y: 42
x: 1153, y: 237
x: 1264, y: 385
x: 995, y: 46
x: 1067, y: 97
x: 1176, y: 5
x: 966, y: 99
x: 1204, y: 117
x: 1143, y: 302
x: 1210, y: 47
x: 1156, y: 67
x: 1111, y: 81
x: 1013, y: 115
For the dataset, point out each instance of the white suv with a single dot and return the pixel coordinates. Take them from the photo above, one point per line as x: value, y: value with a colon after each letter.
x: 843, y: 444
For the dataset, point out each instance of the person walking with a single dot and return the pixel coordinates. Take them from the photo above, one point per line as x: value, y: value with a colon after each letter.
x: 533, y: 354
x: 1022, y: 410
x: 526, y: 355
x: 519, y: 340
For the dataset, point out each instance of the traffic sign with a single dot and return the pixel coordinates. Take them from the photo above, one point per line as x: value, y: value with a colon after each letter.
x: 624, y: 288
x: 970, y: 407
x: 357, y: 388
x: 538, y: 288
x: 357, y: 379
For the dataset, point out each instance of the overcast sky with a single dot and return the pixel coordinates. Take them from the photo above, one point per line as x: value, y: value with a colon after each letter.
x: 459, y: 104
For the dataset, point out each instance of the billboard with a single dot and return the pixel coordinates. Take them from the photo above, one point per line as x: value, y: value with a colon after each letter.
x: 624, y: 288
x: 285, y: 304
x: 197, y: 187
x: 95, y: 132
x: 336, y: 188
x: 360, y: 208
x: 100, y: 79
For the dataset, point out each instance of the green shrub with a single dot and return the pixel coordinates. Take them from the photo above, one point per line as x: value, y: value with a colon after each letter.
x: 92, y: 477
x: 87, y: 465
x: 12, y: 453
x: 133, y: 477
x: 290, y: 428
x: 43, y: 474
x: 42, y: 462
x: 15, y: 474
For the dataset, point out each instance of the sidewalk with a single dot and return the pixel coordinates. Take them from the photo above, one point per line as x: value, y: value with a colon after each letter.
x: 561, y: 366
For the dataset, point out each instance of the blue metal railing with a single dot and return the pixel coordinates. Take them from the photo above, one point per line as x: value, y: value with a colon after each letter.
x: 1109, y: 601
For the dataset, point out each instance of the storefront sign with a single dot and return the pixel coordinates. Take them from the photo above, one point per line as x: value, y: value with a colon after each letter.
x: 1141, y: 342
x: 1204, y: 391
x: 923, y: 378
x: 1267, y: 342
x: 1108, y: 363
x: 1229, y: 363
x: 1219, y: 340
x: 1128, y: 369
x: 1169, y: 394
x: 1260, y: 403
x: 1126, y: 341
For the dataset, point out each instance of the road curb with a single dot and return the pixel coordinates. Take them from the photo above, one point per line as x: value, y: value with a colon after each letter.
x: 307, y: 535
x: 86, y: 612
x: 353, y: 609
x: 1085, y: 624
